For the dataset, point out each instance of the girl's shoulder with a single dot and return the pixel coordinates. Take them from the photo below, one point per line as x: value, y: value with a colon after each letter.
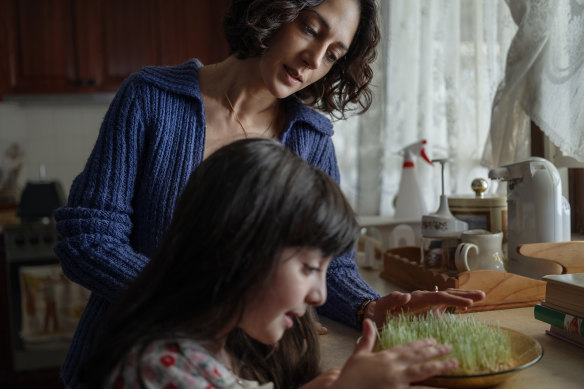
x: 165, y: 362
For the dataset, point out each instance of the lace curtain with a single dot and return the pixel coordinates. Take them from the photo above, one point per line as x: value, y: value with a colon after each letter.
x: 544, y: 82
x: 439, y: 66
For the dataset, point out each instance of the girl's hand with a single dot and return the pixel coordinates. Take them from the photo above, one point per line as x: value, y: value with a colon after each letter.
x: 421, y: 301
x: 322, y: 330
x: 396, y: 367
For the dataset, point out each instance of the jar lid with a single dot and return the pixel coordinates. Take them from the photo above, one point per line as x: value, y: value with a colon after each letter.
x: 479, y: 199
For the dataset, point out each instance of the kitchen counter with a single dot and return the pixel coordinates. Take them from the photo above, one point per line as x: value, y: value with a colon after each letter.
x: 560, y: 367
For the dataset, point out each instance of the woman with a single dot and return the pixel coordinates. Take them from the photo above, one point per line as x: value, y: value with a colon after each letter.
x: 287, y: 55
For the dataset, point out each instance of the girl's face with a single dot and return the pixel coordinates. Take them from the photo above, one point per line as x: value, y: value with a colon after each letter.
x: 303, y: 51
x: 299, y: 281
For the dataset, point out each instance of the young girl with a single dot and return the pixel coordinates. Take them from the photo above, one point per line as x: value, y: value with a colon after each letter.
x: 243, y: 262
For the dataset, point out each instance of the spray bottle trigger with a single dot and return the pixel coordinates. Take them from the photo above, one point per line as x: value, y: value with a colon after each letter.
x: 423, y: 155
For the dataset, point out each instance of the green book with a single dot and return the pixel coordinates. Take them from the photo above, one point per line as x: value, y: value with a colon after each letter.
x: 570, y: 323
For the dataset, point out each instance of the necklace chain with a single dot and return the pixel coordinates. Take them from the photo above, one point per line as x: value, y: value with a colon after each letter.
x: 239, y: 120
x: 236, y: 115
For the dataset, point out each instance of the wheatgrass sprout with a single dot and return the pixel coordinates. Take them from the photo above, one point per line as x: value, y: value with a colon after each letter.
x: 479, y: 347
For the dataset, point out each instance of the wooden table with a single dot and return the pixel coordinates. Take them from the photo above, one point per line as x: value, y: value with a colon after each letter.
x: 562, y: 365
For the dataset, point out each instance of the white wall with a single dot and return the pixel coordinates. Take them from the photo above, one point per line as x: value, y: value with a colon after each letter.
x: 55, y: 131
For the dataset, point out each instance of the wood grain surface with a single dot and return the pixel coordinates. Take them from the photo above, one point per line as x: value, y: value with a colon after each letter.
x: 504, y: 290
x: 569, y: 255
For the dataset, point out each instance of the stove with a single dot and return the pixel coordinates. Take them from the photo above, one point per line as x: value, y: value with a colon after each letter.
x: 44, y: 306
x: 30, y: 241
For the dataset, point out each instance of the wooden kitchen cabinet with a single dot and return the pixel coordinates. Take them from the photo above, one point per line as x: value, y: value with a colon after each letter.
x: 80, y: 46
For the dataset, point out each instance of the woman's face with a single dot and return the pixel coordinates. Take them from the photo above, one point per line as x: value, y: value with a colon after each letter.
x: 303, y: 51
x: 299, y: 281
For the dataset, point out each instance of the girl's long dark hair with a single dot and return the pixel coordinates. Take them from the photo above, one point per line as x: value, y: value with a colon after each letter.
x: 241, y: 207
x: 249, y: 25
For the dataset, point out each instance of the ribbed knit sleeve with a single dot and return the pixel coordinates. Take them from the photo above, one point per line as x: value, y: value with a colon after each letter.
x: 346, y: 289
x: 96, y: 224
x: 119, y: 207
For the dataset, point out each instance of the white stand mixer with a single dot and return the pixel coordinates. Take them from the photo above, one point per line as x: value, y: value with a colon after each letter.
x: 537, y: 212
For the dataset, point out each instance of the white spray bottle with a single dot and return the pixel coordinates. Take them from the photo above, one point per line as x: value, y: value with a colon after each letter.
x: 410, y: 204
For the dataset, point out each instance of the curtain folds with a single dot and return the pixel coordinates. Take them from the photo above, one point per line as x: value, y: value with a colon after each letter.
x: 438, y: 69
x: 544, y: 82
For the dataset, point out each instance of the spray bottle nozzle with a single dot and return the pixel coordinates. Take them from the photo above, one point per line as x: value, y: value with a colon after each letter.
x: 414, y: 148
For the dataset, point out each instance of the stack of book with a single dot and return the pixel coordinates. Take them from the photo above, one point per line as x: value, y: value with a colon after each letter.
x: 563, y: 307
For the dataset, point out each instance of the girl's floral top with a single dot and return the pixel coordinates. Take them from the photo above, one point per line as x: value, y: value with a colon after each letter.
x: 175, y: 364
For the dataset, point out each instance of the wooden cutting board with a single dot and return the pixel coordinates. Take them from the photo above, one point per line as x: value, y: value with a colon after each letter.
x: 569, y: 255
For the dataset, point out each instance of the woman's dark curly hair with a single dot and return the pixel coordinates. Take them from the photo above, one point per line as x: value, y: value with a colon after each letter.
x: 249, y: 25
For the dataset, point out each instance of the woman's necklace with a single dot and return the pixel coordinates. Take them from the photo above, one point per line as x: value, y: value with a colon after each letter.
x: 239, y: 120
x: 236, y: 116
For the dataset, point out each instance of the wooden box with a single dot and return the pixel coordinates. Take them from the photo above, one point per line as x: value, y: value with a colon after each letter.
x: 402, y: 267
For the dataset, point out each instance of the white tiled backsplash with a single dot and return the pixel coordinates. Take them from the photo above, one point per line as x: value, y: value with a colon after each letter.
x: 55, y: 131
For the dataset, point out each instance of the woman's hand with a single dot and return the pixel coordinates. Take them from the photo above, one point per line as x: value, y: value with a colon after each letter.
x: 421, y: 301
x: 325, y: 380
x: 396, y: 367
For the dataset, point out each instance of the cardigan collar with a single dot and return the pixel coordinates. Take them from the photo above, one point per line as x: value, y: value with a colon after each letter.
x: 184, y: 79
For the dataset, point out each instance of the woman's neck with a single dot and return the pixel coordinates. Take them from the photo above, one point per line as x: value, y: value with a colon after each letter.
x: 237, y: 103
x: 241, y: 82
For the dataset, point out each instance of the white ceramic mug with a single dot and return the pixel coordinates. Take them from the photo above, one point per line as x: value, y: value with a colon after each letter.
x: 480, y: 249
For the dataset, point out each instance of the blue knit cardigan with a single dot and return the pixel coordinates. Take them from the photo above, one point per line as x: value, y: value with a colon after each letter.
x: 151, y: 139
